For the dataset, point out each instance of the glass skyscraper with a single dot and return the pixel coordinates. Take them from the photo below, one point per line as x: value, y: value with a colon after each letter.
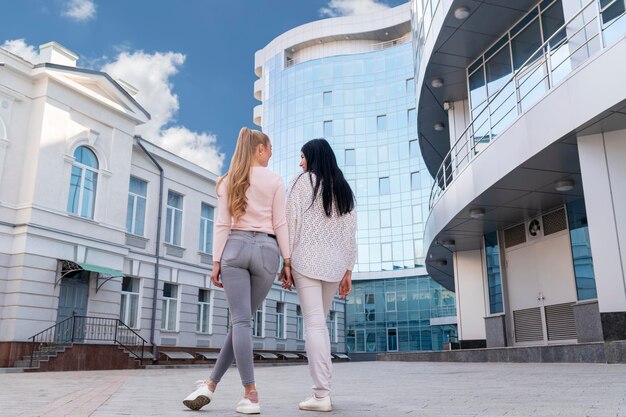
x: 357, y: 91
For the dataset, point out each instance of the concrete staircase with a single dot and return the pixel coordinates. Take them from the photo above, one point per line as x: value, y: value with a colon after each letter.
x: 43, y: 354
x: 66, y: 357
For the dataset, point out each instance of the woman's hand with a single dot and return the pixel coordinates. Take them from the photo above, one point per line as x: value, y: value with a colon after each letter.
x: 215, y: 275
x: 286, y: 278
x: 345, y: 286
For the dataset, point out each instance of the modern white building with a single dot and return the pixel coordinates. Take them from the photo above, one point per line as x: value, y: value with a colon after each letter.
x: 521, y: 120
x: 91, y: 216
x: 350, y: 80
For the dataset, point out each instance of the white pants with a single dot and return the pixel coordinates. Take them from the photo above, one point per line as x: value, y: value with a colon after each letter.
x: 316, y: 297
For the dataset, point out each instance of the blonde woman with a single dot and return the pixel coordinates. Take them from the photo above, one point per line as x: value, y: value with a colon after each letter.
x: 250, y: 234
x: 322, y: 228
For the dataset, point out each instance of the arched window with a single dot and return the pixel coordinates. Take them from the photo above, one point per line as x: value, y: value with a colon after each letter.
x: 83, y: 183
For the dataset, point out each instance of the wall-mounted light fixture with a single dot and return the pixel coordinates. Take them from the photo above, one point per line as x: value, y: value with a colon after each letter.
x: 436, y: 83
x: 477, y: 213
x: 438, y: 126
x: 564, y: 185
x: 461, y: 13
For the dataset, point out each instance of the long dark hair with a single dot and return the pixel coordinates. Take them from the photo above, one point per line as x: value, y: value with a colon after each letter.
x: 321, y: 161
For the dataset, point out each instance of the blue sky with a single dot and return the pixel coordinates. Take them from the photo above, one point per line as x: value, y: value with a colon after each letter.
x: 192, y: 60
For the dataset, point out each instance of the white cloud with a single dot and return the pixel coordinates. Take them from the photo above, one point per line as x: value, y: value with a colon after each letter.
x: 20, y: 48
x: 80, y: 10
x: 351, y: 7
x: 150, y: 74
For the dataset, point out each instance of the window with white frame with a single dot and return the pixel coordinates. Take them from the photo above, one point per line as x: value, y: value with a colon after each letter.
x: 129, y: 305
x: 136, y: 208
x: 257, y: 322
x: 331, y: 322
x: 204, y: 310
x: 299, y: 324
x: 169, y: 306
x: 280, y: 320
x: 83, y: 182
x: 174, y: 218
x: 206, y: 228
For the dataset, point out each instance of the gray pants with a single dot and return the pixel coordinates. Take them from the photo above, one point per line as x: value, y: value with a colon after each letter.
x: 248, y: 267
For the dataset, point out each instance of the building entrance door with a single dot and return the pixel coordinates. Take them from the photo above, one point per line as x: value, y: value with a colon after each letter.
x: 541, y: 289
x: 73, y: 297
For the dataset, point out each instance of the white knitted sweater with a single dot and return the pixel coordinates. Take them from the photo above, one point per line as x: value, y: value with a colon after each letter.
x: 321, y: 247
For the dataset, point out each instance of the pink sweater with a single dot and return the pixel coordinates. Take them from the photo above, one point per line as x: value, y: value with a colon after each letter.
x: 265, y: 212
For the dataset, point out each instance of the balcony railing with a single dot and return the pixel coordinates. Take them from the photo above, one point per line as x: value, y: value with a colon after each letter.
x: 569, y: 46
x: 291, y: 61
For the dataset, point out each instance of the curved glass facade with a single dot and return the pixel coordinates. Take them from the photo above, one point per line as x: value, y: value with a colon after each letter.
x: 364, y: 105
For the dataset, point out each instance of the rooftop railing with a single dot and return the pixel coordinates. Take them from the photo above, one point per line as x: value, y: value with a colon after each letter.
x: 291, y: 61
x: 567, y: 48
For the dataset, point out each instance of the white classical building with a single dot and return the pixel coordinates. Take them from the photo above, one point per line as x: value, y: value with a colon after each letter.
x: 521, y: 119
x: 91, y: 216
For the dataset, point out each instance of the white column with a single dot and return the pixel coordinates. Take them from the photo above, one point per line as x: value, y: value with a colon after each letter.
x: 470, y: 295
x: 603, y: 168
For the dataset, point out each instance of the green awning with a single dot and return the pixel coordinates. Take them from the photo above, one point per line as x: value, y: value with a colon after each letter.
x: 101, y: 270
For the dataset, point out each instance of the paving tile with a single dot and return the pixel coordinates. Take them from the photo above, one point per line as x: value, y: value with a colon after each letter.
x: 373, y: 389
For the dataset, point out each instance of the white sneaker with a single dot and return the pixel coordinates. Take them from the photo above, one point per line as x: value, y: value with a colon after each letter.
x: 316, y: 404
x: 200, y: 397
x: 245, y: 406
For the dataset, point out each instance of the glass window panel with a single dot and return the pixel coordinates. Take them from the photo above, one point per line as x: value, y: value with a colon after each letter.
x: 381, y: 122
x: 350, y: 157
x: 385, y: 218
x: 413, y: 148
x: 581, y: 250
x: 138, y: 186
x: 174, y: 200
x: 383, y: 153
x: 494, y: 280
x: 328, y: 98
x: 85, y: 156
x: 383, y: 185
x: 74, y: 195
x: 386, y: 252
x: 412, y: 117
x: 328, y: 128
x: 89, y: 194
x: 551, y: 20
x: 525, y: 44
x: 410, y: 86
x: 415, y: 180
x: 503, y: 105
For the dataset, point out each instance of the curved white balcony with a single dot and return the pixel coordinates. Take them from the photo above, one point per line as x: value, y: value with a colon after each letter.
x: 258, y: 89
x: 257, y: 115
x: 371, y: 28
x: 513, y: 177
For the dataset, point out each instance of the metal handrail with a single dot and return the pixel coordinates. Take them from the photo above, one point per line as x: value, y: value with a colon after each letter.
x: 79, y: 328
x: 460, y: 153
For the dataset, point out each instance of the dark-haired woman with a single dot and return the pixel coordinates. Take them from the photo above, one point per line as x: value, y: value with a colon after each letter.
x: 322, y: 226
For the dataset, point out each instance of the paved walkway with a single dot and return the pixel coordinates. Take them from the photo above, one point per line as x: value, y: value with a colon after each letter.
x: 374, y: 389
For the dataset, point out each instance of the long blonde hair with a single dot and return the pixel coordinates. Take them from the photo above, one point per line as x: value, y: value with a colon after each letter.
x: 239, y: 171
